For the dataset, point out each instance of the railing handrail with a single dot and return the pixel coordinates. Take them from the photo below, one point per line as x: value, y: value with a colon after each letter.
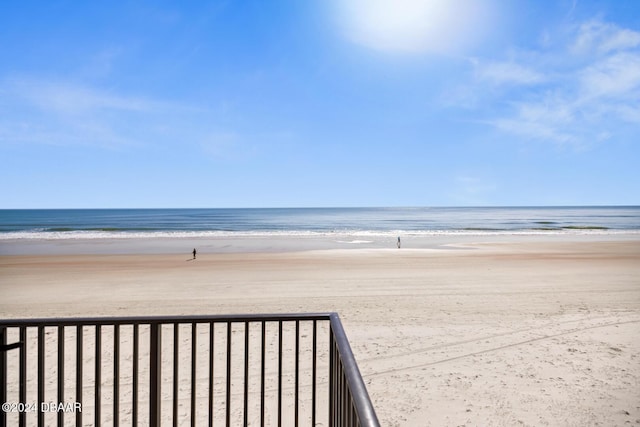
x: 147, y: 320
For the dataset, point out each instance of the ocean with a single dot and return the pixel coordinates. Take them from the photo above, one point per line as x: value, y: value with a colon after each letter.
x: 141, y: 223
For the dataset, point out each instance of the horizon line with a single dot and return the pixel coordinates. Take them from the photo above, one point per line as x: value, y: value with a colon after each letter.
x: 333, y: 207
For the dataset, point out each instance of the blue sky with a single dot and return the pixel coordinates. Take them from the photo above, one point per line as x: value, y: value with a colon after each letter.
x: 319, y: 103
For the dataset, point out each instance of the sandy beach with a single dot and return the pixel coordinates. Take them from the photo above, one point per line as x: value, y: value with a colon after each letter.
x: 471, y: 331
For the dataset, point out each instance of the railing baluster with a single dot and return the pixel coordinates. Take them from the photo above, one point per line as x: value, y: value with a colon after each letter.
x: 313, y: 372
x: 340, y: 395
x: 228, y: 402
x: 79, y: 382
x: 211, y: 371
x: 354, y: 418
x: 3, y: 374
x: 116, y: 375
x: 134, y: 385
x: 262, y: 372
x: 347, y: 400
x: 155, y: 372
x: 280, y: 373
x: 40, y: 375
x: 338, y: 392
x: 332, y: 369
x: 297, y: 372
x: 98, y: 374
x: 246, y: 374
x: 22, y: 392
x: 343, y: 396
x: 193, y: 373
x: 176, y: 353
x: 60, y: 373
x: 347, y: 409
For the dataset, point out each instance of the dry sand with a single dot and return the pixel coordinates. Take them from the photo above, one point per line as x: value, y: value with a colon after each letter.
x: 519, y: 331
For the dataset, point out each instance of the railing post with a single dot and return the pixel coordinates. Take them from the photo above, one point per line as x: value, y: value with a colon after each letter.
x: 155, y: 380
x: 3, y: 374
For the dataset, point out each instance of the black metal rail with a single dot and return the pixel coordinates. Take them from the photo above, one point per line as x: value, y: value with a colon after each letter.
x: 286, y: 369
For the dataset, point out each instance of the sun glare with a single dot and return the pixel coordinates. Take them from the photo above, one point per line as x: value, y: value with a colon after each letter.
x: 437, y: 26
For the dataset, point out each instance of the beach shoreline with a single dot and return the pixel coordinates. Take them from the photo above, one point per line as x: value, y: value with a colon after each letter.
x: 475, y: 330
x: 274, y: 243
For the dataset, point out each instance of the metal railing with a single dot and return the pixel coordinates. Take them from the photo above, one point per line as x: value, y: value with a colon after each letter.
x: 288, y: 369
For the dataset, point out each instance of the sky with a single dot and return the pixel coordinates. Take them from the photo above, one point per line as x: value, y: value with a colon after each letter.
x: 287, y: 103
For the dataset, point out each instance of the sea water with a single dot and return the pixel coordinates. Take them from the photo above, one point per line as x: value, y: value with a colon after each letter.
x: 149, y: 223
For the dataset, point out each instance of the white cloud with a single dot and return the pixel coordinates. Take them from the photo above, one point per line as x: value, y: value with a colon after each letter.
x: 66, y: 113
x: 629, y: 113
x: 598, y: 37
x: 40, y: 111
x: 534, y: 129
x: 617, y: 75
x: 73, y: 98
x: 500, y: 73
x: 549, y: 119
x: 580, y: 95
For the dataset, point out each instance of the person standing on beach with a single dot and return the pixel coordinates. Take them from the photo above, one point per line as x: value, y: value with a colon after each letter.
x: 398, y: 242
x: 194, y: 253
